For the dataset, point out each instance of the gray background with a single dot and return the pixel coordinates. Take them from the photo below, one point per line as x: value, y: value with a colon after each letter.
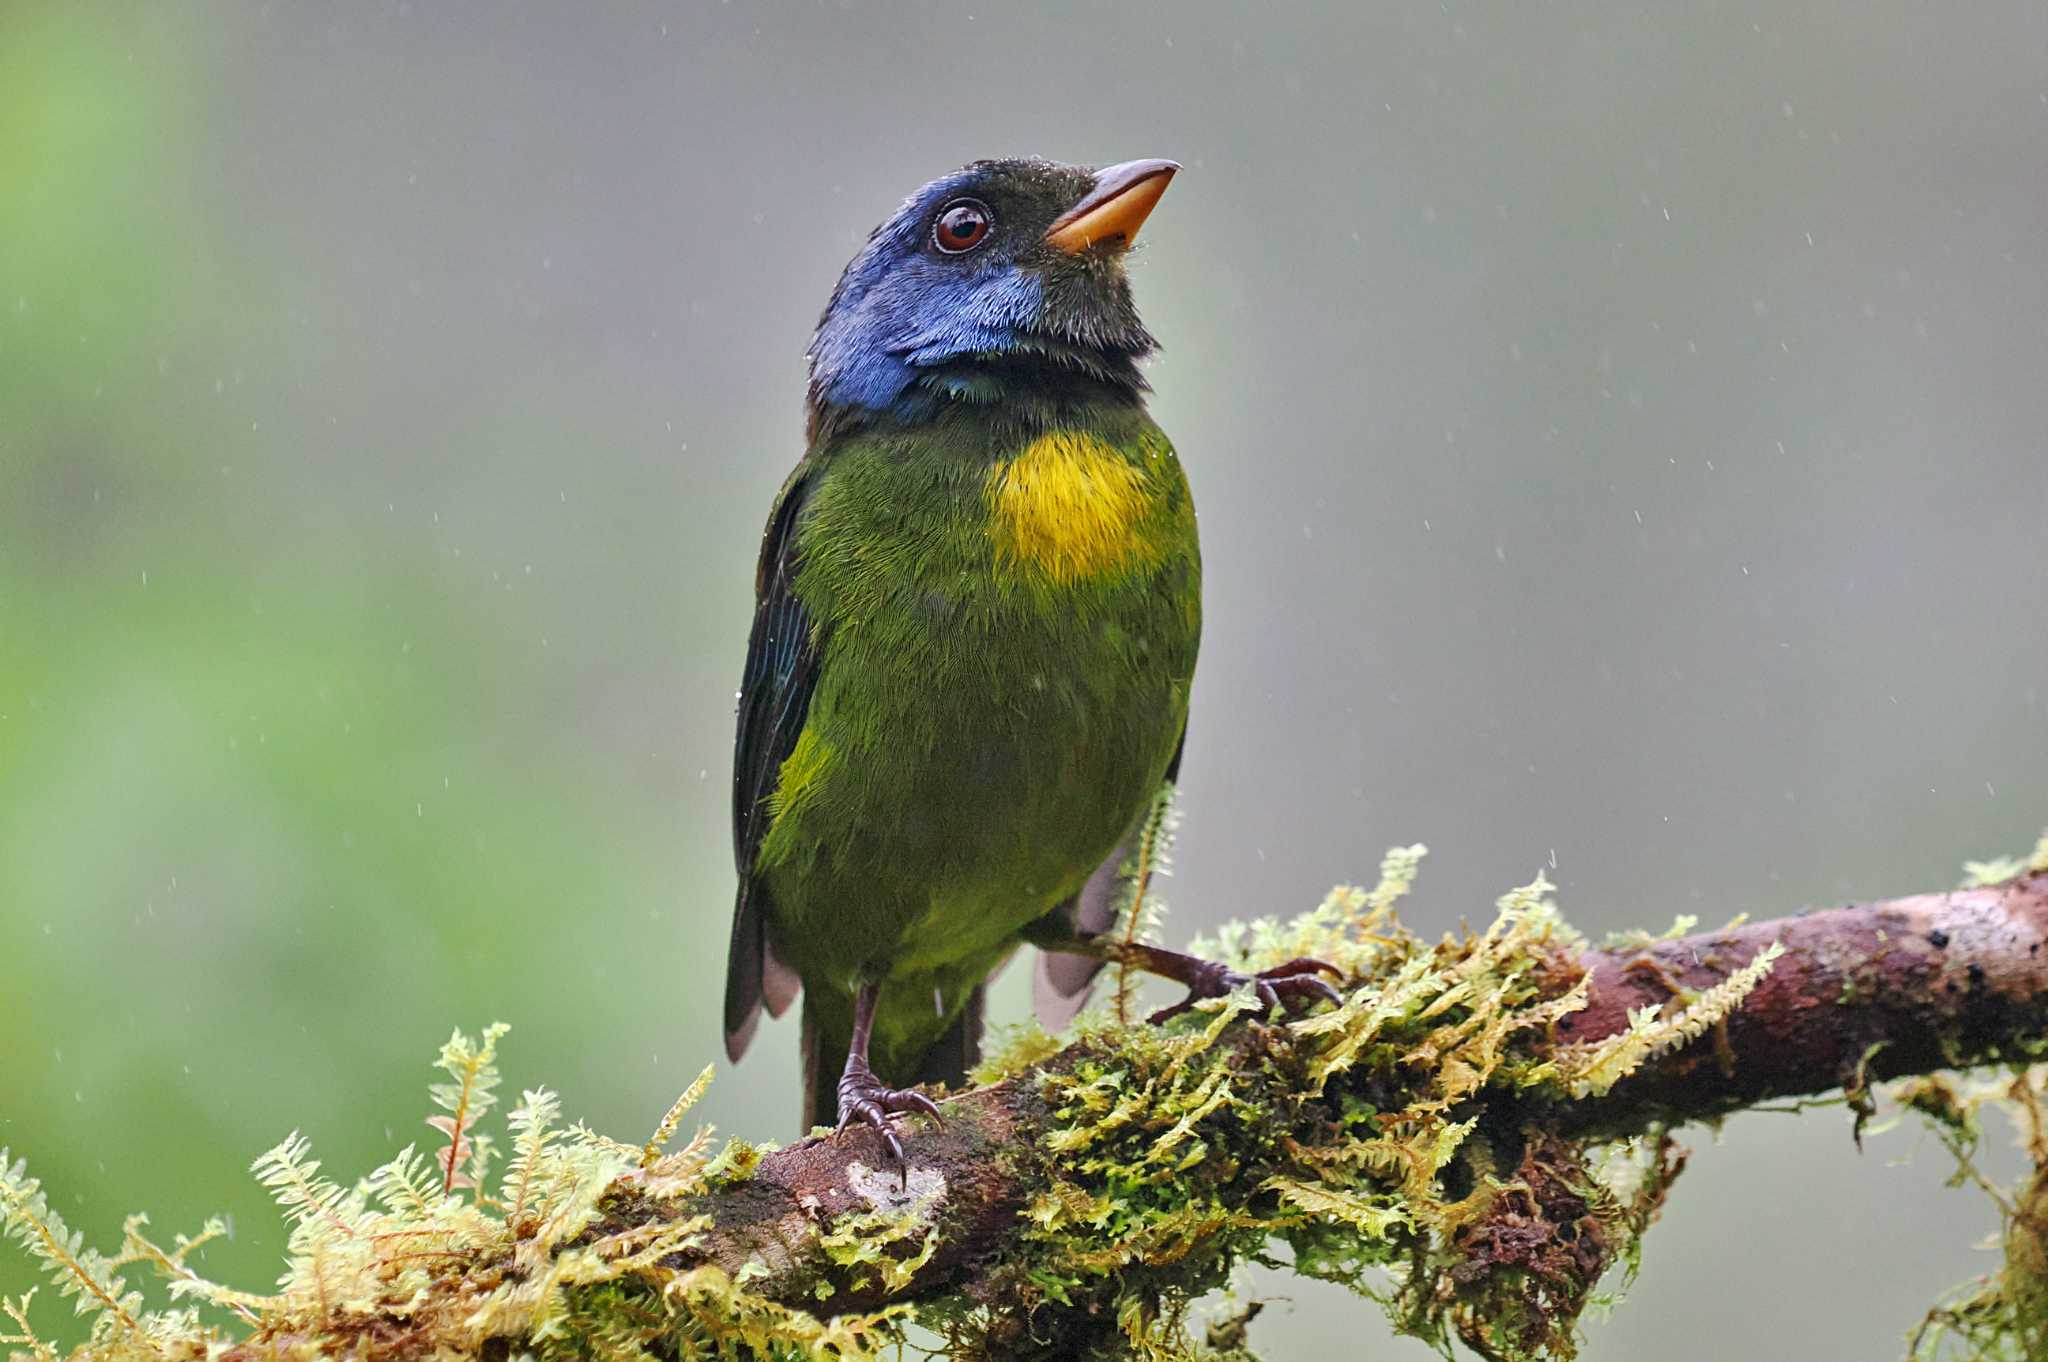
x: 1617, y: 430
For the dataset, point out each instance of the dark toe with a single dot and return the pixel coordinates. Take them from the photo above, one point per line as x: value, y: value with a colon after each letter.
x: 1296, y: 983
x: 1309, y: 989
x: 1305, y: 964
x: 1300, y: 981
x: 872, y: 1104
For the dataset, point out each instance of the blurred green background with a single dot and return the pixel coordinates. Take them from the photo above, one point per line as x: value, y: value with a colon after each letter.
x: 1618, y: 429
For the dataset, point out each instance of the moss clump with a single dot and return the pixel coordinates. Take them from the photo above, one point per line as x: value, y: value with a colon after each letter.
x: 432, y: 1255
x: 1381, y: 1142
x: 2003, y: 1314
x: 1997, y: 870
x: 1372, y: 1143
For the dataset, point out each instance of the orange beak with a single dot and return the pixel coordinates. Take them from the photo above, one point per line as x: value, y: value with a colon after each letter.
x: 1114, y: 210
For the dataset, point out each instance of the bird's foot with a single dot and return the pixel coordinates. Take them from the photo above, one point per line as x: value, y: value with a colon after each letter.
x: 865, y: 1098
x: 1296, y: 985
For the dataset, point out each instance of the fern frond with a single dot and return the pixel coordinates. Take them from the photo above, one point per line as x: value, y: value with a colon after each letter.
x: 1138, y: 914
x: 532, y: 1123
x: 404, y: 1185
x: 1398, y: 871
x: 137, y: 1247
x: 1603, y: 1065
x: 16, y: 1309
x: 82, y: 1273
x: 582, y: 1167
x: 471, y: 1067
x: 1524, y: 910
x: 664, y: 1132
x: 295, y: 1184
x: 1318, y: 1199
x: 476, y: 1170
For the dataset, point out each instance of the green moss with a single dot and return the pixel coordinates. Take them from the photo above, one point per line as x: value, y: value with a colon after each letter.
x: 1384, y: 1143
x: 430, y: 1255
x: 2003, y: 1314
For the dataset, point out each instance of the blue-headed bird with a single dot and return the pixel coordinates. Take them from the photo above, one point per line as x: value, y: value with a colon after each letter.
x: 977, y: 608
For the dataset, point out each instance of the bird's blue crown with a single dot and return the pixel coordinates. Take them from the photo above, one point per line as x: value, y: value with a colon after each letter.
x: 914, y: 325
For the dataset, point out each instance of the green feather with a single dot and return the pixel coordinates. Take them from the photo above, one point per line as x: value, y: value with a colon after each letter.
x: 983, y: 731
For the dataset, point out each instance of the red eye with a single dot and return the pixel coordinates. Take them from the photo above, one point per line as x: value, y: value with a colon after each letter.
x: 961, y: 227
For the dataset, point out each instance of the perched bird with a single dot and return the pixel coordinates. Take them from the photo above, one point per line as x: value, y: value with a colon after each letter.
x: 977, y: 608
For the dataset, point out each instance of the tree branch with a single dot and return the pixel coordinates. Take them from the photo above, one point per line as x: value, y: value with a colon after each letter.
x: 1487, y: 1115
x: 1899, y: 986
x: 1893, y: 987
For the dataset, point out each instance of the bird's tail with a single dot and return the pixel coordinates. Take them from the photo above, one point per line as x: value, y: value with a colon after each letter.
x: 828, y: 1030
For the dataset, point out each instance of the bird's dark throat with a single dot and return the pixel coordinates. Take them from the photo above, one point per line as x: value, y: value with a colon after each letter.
x: 1043, y: 388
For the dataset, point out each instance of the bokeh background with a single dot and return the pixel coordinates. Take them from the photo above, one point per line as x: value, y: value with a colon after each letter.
x: 1618, y: 430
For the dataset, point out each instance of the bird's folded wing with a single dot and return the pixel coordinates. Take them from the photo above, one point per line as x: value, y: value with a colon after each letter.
x: 775, y: 696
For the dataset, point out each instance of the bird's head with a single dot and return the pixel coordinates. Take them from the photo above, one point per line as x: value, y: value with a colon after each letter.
x: 1003, y: 273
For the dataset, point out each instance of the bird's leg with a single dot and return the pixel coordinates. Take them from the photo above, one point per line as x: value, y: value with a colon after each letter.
x: 1298, y: 983
x: 862, y: 1096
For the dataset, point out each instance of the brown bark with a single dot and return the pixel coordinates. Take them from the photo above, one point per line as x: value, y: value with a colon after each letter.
x: 1898, y: 986
x: 1895, y: 987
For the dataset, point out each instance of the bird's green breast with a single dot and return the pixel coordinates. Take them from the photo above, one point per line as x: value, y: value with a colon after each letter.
x: 1008, y: 627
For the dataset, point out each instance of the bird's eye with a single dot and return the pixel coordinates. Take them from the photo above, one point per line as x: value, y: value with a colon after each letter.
x: 962, y: 226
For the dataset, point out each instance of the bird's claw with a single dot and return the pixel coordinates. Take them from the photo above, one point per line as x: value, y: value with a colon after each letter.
x: 868, y: 1100
x: 1295, y: 985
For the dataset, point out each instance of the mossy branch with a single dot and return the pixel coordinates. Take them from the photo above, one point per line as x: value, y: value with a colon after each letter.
x: 1871, y: 991
x: 1475, y: 1137
x: 1868, y: 992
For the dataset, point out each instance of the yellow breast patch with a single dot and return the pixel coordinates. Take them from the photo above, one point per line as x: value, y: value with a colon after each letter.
x: 1069, y: 505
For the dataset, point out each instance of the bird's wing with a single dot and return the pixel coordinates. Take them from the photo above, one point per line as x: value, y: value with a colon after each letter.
x: 775, y: 696
x: 1061, y: 983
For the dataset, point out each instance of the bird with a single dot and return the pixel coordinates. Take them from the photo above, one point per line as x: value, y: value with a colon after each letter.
x: 977, y: 613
